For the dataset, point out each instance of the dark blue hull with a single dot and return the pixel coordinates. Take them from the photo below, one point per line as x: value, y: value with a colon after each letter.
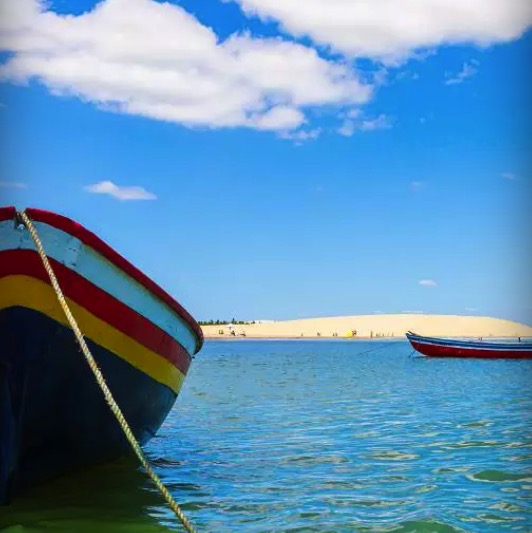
x: 53, y: 417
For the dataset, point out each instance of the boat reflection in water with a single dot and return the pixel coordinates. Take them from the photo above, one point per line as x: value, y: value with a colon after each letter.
x: 115, y: 497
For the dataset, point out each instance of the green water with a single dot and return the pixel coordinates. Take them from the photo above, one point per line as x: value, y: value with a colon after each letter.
x: 318, y: 436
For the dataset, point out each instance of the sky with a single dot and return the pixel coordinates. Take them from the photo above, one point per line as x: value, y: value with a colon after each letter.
x: 261, y: 160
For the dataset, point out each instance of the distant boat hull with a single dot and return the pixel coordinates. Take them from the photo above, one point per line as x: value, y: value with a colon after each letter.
x: 53, y: 416
x: 436, y: 347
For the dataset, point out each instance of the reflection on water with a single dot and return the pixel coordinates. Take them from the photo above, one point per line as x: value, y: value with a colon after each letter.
x: 109, y: 498
x: 324, y: 436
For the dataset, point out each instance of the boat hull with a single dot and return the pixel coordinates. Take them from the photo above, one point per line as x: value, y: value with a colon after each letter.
x: 53, y: 415
x: 432, y: 347
x: 59, y: 420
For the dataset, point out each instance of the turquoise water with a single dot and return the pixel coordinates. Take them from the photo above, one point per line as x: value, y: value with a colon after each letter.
x: 319, y: 436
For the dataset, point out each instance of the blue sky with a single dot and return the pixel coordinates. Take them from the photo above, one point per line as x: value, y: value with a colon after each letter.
x: 283, y: 170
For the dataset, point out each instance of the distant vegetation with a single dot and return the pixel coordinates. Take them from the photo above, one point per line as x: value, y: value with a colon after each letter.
x: 224, y: 322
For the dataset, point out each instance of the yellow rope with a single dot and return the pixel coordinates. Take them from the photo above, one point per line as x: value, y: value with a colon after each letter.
x: 101, y: 381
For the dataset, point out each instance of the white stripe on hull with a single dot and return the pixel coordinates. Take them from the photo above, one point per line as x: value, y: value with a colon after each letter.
x: 86, y: 262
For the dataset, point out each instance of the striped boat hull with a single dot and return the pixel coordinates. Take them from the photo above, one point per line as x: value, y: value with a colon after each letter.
x: 53, y: 417
x: 434, y: 347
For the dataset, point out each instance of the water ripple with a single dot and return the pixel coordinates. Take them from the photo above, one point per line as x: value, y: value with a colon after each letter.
x: 320, y: 437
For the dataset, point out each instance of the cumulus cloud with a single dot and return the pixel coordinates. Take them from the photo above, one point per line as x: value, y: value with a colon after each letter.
x: 391, y: 30
x: 468, y: 70
x: 120, y: 193
x: 427, y: 283
x: 156, y: 60
x: 12, y: 185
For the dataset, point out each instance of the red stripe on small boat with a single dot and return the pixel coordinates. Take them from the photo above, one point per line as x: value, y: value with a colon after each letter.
x: 7, y: 213
x: 90, y: 239
x: 99, y: 303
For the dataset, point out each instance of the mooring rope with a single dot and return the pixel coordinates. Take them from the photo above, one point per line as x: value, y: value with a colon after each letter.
x: 381, y: 346
x: 101, y: 381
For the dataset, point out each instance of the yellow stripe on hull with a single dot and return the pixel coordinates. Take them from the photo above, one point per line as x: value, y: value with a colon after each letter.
x: 25, y: 291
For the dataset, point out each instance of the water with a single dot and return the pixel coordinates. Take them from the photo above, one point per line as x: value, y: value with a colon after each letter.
x: 319, y: 436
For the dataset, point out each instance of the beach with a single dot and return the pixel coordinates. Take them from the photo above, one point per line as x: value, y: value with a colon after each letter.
x: 372, y: 326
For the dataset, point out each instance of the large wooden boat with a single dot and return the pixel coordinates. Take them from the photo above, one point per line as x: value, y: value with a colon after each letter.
x: 53, y: 416
x: 484, y: 349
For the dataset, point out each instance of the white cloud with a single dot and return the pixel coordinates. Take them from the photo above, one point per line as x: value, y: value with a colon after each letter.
x: 509, y: 176
x: 381, y: 122
x: 156, y: 60
x: 394, y: 29
x: 120, y: 193
x: 427, y: 283
x: 12, y: 185
x: 300, y: 136
x: 471, y: 309
x: 280, y: 118
x: 349, y: 127
x: 468, y: 70
x: 417, y: 185
x: 353, y: 113
x: 413, y: 312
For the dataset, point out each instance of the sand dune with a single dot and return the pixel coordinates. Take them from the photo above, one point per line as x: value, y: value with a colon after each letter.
x: 377, y: 326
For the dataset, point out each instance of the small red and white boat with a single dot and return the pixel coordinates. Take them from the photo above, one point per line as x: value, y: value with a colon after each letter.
x: 436, y: 347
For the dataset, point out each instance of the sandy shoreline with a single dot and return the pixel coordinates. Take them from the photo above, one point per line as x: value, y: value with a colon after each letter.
x: 372, y: 327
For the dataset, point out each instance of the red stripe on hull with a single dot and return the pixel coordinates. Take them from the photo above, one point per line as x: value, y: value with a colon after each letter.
x: 7, y: 213
x: 434, y: 350
x: 90, y: 239
x: 99, y: 303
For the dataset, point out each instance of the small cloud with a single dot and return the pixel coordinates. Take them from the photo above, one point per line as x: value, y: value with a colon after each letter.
x: 427, y: 283
x: 301, y: 136
x: 468, y: 70
x: 120, y: 193
x: 349, y: 126
x: 382, y: 122
x: 280, y: 117
x: 12, y: 185
x: 408, y: 75
x: 471, y: 309
x: 417, y: 185
x: 413, y: 312
x: 508, y: 176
